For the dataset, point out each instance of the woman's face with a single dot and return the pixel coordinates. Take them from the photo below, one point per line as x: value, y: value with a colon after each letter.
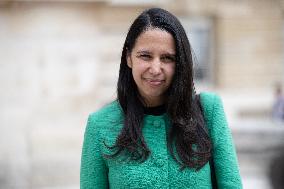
x: 152, y: 61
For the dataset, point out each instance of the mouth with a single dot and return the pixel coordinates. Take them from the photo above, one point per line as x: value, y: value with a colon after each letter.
x: 154, y: 82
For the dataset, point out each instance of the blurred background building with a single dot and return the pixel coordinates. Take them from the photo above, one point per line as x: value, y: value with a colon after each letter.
x: 59, y: 61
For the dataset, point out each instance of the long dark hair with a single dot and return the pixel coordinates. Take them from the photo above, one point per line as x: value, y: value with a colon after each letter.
x: 188, y: 132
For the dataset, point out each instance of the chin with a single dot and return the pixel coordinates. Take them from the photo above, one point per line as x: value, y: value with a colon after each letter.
x: 154, y: 95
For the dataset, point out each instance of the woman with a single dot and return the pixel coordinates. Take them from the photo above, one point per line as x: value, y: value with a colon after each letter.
x: 156, y: 134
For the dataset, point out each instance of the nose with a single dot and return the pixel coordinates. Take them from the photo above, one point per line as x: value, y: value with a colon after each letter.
x: 155, y: 67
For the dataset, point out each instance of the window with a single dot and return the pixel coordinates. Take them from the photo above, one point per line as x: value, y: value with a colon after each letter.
x: 200, y: 35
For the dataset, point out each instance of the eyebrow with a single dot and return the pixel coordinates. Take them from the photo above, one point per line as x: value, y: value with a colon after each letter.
x: 147, y: 52
x: 143, y: 52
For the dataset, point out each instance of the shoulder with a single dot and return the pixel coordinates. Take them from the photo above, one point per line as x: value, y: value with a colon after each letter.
x: 213, y: 110
x: 209, y: 96
x: 110, y: 111
x: 109, y: 115
x: 209, y: 100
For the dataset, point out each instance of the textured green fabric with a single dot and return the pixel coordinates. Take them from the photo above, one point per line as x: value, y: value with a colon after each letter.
x: 159, y: 170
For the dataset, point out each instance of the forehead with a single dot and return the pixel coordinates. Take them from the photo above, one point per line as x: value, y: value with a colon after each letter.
x: 155, y: 39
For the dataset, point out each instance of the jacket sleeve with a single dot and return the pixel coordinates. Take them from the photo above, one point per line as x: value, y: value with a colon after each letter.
x: 224, y: 154
x: 93, y: 172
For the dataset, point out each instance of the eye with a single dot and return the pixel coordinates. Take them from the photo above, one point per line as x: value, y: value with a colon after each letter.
x: 168, y: 58
x: 145, y: 56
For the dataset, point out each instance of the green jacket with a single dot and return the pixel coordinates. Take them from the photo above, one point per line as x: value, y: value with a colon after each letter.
x: 159, y: 170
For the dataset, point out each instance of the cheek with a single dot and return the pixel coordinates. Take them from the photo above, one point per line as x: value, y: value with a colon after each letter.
x: 138, y: 69
x: 170, y: 70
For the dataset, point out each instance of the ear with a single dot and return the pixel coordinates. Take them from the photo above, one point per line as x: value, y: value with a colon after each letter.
x: 128, y: 59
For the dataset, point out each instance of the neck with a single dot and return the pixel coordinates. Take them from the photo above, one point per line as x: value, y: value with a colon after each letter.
x: 156, y: 111
x: 153, y: 102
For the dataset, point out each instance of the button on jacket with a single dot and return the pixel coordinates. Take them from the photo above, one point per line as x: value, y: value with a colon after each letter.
x: 159, y: 171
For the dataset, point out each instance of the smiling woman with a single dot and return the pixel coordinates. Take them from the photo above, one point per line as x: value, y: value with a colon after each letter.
x: 158, y: 133
x: 152, y: 61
